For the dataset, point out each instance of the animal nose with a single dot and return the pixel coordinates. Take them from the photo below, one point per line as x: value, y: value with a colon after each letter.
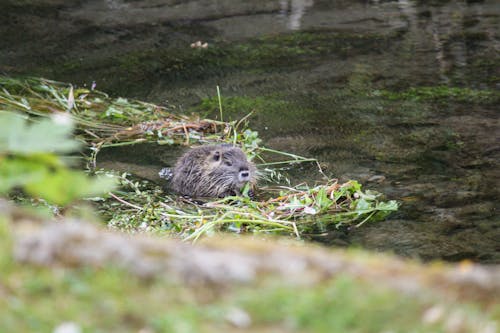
x: 244, y: 175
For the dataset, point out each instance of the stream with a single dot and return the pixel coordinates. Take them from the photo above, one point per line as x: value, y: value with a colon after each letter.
x: 399, y: 95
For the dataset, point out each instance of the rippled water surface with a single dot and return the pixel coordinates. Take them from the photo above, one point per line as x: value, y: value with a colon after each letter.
x: 400, y: 95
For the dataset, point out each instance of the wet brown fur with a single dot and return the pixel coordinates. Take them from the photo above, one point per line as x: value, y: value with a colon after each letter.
x: 213, y: 171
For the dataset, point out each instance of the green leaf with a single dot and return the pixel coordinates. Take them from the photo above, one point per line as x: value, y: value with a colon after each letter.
x: 113, y: 112
x: 64, y: 186
x: 391, y: 205
x: 369, y: 195
x: 18, y: 172
x: 363, y: 204
x: 339, y: 193
x: 17, y: 135
x: 353, y: 186
x: 322, y: 200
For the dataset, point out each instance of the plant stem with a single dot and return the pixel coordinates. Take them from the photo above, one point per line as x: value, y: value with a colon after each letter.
x: 220, y: 103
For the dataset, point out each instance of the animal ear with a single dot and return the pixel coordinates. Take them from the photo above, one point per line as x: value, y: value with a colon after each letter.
x: 216, y: 156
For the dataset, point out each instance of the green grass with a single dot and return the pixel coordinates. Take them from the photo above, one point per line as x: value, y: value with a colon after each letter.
x: 342, y: 305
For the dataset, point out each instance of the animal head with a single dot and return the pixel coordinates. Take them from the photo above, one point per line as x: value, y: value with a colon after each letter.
x: 213, y: 171
x: 229, y: 168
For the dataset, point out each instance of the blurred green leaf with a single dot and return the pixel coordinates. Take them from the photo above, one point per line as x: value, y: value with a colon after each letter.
x: 18, y: 172
x: 28, y: 160
x: 17, y: 135
x: 64, y: 186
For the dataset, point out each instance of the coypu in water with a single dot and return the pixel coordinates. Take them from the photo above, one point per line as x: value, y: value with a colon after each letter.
x: 213, y: 171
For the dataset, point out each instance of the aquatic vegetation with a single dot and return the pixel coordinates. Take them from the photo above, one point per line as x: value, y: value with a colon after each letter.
x: 139, y: 206
x: 443, y: 93
x: 237, y: 106
x: 270, y: 53
x: 102, y: 121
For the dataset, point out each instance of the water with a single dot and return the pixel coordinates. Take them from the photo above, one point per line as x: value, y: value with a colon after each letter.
x: 315, y: 74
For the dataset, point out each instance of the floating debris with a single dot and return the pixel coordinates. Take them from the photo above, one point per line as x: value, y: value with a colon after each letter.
x: 199, y: 45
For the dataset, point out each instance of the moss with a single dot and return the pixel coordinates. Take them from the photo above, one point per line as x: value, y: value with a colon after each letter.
x: 238, y: 106
x: 271, y: 53
x: 443, y: 94
x: 340, y: 306
x: 109, y: 299
x: 485, y: 70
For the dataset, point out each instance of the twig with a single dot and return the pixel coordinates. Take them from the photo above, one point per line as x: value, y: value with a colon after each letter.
x: 187, y: 134
x: 124, y: 202
x: 92, y: 134
x: 296, y: 230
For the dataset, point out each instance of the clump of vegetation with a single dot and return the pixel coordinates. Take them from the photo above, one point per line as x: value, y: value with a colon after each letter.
x: 139, y: 206
x: 102, y: 122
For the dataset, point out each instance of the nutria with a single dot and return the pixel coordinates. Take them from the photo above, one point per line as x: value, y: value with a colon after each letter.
x: 213, y: 171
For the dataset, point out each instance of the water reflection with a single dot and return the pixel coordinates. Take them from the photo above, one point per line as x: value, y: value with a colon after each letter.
x: 116, y: 4
x: 293, y: 10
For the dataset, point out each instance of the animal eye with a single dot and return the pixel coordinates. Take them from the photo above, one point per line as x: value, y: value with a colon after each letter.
x: 216, y: 156
x: 228, y: 163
